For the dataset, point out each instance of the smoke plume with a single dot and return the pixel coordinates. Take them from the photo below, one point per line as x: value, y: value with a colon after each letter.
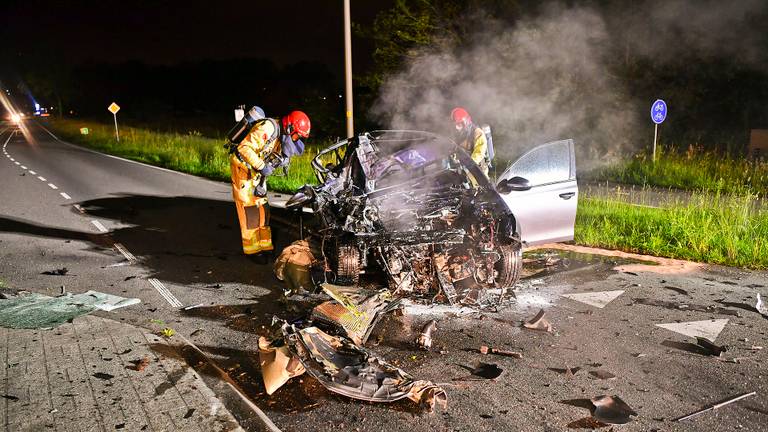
x: 549, y: 76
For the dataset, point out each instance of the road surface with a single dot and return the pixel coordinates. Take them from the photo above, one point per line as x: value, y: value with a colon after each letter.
x: 172, y: 241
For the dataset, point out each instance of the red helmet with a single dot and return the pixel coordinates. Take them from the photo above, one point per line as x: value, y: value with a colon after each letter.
x: 296, y: 122
x: 461, y: 117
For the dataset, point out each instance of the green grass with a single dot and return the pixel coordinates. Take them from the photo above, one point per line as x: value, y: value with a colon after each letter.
x: 190, y: 153
x: 692, y: 170
x: 728, y: 229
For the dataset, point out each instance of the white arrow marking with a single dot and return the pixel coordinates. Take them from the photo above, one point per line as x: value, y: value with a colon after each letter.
x: 597, y: 299
x: 708, y: 329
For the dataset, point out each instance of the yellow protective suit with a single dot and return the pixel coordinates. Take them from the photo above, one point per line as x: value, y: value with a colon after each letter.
x: 478, y: 149
x: 247, y: 162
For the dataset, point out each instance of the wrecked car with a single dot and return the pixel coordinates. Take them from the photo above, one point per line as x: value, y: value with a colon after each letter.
x: 416, y: 206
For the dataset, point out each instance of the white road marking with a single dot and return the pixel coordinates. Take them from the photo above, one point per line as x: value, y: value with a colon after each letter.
x: 99, y: 226
x: 12, y: 159
x: 128, y: 255
x: 65, y: 196
x: 709, y: 329
x: 597, y: 299
x: 80, y: 209
x: 167, y: 295
x: 17, y: 163
x: 41, y: 178
x: 23, y: 167
x: 32, y: 172
x: 53, y: 186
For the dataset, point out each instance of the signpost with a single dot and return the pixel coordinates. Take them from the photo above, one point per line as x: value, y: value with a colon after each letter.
x: 658, y: 115
x: 114, y: 108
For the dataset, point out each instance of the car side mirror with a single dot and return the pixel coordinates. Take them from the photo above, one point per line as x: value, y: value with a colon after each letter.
x: 513, y: 184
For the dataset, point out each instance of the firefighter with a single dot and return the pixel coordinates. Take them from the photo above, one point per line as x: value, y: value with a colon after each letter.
x: 471, y: 138
x: 269, y: 145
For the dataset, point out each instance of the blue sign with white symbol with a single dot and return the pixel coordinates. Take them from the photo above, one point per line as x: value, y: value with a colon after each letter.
x: 659, y: 111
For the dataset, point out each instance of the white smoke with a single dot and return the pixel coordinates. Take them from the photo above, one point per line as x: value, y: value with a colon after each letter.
x: 548, y: 76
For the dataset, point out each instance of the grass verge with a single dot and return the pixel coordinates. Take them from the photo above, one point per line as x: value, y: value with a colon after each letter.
x: 713, y: 227
x: 727, y: 229
x: 693, y: 170
x: 190, y: 153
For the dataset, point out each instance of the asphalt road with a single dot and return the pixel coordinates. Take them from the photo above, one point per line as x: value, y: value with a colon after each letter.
x: 64, y: 206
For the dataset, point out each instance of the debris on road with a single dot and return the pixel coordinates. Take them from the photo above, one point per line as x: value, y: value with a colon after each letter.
x: 717, y: 406
x: 567, y: 371
x: 484, y: 349
x: 712, y: 349
x: 353, y: 311
x: 139, y: 365
x: 31, y: 310
x: 278, y: 365
x: 538, y: 323
x: 677, y: 290
x: 103, y: 376
x: 293, y: 266
x: 760, y: 307
x: 349, y: 369
x: 168, y: 332
x: 58, y: 272
x: 685, y: 306
x: 488, y: 371
x: 611, y: 410
x: 602, y: 374
x: 425, y: 338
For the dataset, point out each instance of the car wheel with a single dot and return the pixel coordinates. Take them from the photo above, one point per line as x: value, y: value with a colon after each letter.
x: 347, y: 267
x: 509, y: 266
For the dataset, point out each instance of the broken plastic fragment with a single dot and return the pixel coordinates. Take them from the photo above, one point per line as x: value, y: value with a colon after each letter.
x: 425, y: 338
x: 538, y: 323
x: 712, y: 349
x: 278, y: 365
x: 611, y: 410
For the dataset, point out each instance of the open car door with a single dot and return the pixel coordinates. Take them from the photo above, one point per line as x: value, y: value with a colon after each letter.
x: 540, y: 189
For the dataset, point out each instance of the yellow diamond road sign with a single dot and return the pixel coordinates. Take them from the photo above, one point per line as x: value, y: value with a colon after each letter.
x: 114, y: 108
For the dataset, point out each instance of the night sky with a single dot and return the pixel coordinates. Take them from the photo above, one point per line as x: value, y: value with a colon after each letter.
x: 172, y: 32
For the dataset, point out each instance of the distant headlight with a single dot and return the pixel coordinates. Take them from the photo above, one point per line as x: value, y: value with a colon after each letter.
x: 15, y: 118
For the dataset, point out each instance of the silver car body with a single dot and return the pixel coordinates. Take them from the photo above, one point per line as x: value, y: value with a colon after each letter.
x: 546, y: 212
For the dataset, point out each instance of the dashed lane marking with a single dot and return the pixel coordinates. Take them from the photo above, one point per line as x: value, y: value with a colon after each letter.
x: 127, y: 254
x: 17, y: 163
x: 78, y: 208
x: 99, y: 226
x: 23, y: 167
x: 65, y: 196
x: 53, y: 186
x: 32, y: 172
x: 41, y: 178
x: 167, y: 295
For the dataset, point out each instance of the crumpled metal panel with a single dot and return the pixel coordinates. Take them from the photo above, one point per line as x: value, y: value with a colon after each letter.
x: 351, y: 370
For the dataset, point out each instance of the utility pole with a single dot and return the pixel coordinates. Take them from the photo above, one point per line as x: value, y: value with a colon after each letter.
x: 348, y: 69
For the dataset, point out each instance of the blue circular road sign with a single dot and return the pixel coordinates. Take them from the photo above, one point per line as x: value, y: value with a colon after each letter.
x: 659, y: 111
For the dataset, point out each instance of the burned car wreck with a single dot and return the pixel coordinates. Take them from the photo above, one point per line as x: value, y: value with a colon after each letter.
x: 414, y: 205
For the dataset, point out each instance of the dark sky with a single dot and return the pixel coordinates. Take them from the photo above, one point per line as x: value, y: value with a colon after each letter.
x: 170, y: 32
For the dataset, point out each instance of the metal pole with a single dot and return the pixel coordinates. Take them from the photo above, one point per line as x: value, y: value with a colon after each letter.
x: 348, y: 69
x: 655, y: 136
x: 117, y: 134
